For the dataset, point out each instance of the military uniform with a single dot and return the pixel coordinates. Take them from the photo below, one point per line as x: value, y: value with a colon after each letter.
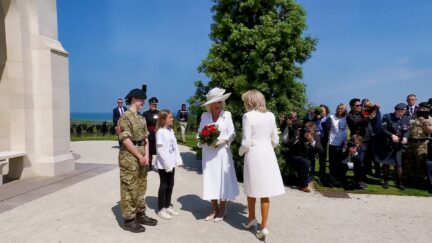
x: 133, y: 177
x: 415, y: 156
x: 387, y: 152
x: 151, y: 118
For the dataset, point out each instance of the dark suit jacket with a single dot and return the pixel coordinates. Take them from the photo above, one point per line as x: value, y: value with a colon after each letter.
x: 116, y: 114
x: 407, y: 112
x: 299, y: 147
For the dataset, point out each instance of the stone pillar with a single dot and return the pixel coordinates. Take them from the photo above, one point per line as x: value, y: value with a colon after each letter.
x: 35, y: 86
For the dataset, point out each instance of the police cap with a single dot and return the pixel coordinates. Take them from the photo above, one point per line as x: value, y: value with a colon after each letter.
x: 153, y: 100
x: 400, y: 106
x: 137, y: 93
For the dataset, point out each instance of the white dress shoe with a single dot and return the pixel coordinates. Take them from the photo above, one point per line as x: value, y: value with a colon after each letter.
x: 210, y: 217
x: 171, y: 211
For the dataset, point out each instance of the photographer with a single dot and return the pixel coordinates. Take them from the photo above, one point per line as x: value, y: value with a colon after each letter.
x: 392, y: 141
x: 303, y: 149
x: 354, y: 153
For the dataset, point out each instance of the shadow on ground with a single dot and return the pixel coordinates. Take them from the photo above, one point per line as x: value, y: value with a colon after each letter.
x: 117, y: 213
x: 201, y: 208
x: 191, y: 163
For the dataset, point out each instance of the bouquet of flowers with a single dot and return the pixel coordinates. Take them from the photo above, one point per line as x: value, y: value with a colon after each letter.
x: 209, y: 134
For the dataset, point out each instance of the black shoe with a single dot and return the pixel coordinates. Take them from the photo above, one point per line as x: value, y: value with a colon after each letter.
x: 401, y: 186
x: 385, y: 185
x: 133, y: 226
x: 142, y: 218
x: 361, y: 185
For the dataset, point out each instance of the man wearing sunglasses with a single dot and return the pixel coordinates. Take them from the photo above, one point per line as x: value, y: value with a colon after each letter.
x: 117, y: 113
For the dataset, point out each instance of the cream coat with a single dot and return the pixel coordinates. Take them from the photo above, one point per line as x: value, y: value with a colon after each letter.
x: 262, y: 177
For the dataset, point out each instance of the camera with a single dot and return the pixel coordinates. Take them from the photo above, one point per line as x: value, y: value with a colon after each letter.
x: 350, y: 144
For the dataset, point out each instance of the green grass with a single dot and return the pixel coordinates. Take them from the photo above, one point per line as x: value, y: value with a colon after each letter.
x: 374, y: 187
x: 95, y: 137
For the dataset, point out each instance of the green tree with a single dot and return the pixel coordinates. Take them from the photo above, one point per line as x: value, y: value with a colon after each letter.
x: 257, y: 44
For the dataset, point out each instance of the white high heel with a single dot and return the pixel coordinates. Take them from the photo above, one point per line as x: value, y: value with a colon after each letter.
x: 217, y: 219
x: 210, y: 217
x: 253, y: 223
x: 261, y: 234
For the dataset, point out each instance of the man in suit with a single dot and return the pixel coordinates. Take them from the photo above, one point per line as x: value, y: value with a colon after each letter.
x: 412, y: 107
x: 117, y: 113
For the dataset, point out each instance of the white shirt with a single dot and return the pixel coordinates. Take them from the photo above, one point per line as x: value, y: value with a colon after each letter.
x: 338, y: 131
x: 167, y: 149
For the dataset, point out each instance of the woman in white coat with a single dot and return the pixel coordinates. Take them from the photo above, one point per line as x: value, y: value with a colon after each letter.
x: 219, y: 178
x: 262, y: 177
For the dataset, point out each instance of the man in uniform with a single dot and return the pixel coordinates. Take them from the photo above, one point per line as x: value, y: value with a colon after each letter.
x: 151, y: 116
x: 182, y: 116
x: 415, y: 157
x: 133, y: 163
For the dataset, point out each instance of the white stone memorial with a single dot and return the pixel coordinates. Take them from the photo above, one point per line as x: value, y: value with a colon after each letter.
x: 34, y: 90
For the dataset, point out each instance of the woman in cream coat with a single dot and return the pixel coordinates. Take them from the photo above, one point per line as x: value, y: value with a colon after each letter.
x: 219, y: 178
x: 262, y: 177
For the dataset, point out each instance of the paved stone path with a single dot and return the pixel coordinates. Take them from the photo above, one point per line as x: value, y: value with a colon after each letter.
x: 87, y: 211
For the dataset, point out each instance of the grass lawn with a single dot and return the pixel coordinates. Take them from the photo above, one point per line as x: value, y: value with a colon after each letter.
x: 98, y: 137
x: 374, y: 187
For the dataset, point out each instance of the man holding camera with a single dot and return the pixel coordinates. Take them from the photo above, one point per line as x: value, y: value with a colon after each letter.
x: 392, y: 141
x: 415, y: 156
x: 304, y: 147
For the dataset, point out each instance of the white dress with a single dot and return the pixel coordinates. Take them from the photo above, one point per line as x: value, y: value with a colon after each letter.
x: 262, y: 176
x: 219, y: 178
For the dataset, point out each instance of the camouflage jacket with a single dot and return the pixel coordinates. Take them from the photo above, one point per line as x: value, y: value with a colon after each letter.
x: 133, y: 126
x: 417, y: 131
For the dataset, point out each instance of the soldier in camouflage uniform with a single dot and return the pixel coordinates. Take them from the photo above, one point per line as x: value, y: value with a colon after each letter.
x: 133, y: 163
x: 415, y: 156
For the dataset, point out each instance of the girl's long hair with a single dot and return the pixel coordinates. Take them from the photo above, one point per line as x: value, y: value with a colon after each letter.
x: 163, y: 115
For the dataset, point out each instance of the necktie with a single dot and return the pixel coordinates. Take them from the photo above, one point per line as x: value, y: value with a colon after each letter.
x: 411, y: 110
x: 121, y: 111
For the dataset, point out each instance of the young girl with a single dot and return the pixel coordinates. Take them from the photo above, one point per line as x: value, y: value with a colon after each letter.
x: 168, y: 156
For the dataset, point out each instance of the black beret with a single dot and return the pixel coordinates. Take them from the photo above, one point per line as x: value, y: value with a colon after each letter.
x: 400, y: 106
x: 425, y: 105
x: 153, y: 100
x: 137, y: 93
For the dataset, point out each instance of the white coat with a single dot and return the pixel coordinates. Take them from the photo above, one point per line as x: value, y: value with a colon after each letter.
x: 262, y: 176
x: 219, y: 177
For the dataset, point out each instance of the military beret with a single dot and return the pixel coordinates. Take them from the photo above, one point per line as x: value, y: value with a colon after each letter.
x: 137, y: 93
x: 400, y: 106
x: 153, y: 100
x: 425, y: 105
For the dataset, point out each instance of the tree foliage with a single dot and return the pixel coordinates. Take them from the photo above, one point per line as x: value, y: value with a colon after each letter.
x: 257, y: 44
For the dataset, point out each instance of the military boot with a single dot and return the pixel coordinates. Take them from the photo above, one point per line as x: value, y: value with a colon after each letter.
x: 142, y: 218
x: 133, y: 226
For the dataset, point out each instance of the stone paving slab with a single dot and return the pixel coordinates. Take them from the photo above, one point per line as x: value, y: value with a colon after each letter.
x: 88, y: 212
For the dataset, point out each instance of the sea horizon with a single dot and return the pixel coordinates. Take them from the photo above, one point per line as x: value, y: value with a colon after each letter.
x: 91, y: 116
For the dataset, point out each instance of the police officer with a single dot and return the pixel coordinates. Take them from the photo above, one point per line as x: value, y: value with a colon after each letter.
x: 415, y: 157
x: 392, y: 141
x: 133, y: 163
x: 151, y: 116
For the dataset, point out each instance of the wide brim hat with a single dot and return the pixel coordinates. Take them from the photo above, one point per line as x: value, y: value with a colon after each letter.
x: 216, y: 95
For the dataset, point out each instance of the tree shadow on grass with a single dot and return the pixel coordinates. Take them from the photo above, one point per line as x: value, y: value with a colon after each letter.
x: 200, y: 209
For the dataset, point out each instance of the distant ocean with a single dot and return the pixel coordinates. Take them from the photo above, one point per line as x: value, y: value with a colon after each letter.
x: 99, y: 117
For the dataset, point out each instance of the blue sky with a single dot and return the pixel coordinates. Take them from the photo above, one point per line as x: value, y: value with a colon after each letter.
x: 367, y: 48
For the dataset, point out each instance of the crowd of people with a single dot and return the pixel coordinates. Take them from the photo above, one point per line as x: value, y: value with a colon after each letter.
x: 375, y: 143
x: 363, y: 140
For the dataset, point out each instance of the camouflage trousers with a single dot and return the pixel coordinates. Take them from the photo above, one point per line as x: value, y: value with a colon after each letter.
x: 133, y: 185
x: 414, y: 165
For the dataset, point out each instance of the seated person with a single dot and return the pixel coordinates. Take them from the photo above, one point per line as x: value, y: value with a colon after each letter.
x: 304, y: 146
x: 352, y: 156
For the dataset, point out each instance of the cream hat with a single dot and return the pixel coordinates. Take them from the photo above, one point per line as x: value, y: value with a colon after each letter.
x: 216, y: 95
